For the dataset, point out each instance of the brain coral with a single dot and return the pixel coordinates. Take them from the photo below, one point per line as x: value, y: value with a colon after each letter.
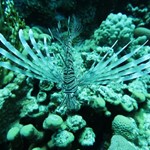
x: 125, y: 127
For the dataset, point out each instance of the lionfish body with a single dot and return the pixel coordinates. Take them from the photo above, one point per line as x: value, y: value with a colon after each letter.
x: 40, y: 65
x: 70, y: 85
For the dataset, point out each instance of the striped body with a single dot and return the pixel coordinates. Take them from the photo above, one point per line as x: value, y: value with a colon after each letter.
x: 69, y: 79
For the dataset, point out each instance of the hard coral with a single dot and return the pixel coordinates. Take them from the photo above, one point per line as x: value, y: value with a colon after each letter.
x: 116, y: 26
x: 126, y: 127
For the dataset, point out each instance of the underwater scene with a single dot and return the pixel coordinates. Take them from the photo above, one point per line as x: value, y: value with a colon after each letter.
x: 74, y: 75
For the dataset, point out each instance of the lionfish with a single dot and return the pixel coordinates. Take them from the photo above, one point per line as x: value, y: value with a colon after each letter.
x: 40, y: 65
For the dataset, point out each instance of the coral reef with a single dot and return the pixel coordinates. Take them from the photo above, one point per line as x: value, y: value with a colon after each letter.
x: 113, y: 115
x: 140, y: 13
x: 126, y: 127
x: 116, y: 26
x: 119, y: 142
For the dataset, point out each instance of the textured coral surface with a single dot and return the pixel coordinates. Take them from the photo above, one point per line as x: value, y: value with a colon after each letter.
x: 112, y: 114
